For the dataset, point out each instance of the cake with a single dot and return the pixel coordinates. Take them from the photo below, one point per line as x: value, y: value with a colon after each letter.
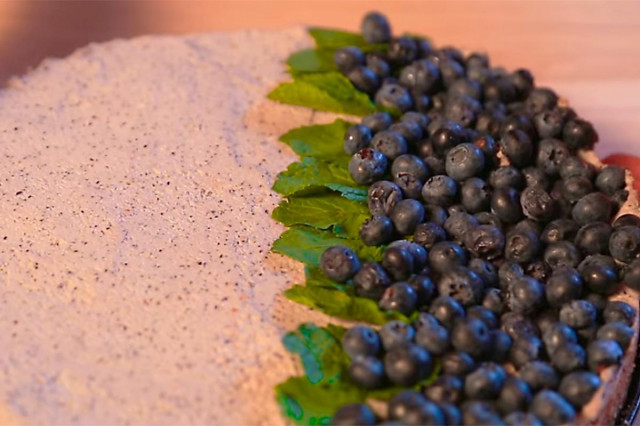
x: 137, y: 282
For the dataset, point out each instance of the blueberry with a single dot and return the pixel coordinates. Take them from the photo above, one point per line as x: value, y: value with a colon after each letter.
x: 527, y: 225
x: 525, y: 295
x: 521, y: 247
x: 539, y: 270
x: 485, y: 382
x: 624, y: 244
x: 579, y: 134
x: 376, y: 230
x: 425, y: 319
x: 522, y: 122
x: 523, y: 82
x: 545, y: 319
x: 471, y: 336
x: 354, y: 414
x: 505, y: 203
x: 618, y: 331
x: 462, y: 109
x: 382, y: 197
x: 410, y: 185
x: 508, y: 273
x: 400, y: 297
x: 402, y: 50
x: 627, y: 219
x: 367, y: 372
x: 435, y: 214
x: 445, y: 255
x: 593, y: 238
x: 576, y: 166
x: 611, y: 179
x: 489, y: 123
x: 377, y: 121
x: 601, y: 279
x: 422, y: 76
x: 451, y: 72
x: 434, y: 338
x: 517, y: 147
x: 357, y: 137
x: 459, y: 225
x: 396, y: 333
x: 551, y: 408
x: 619, y: 311
x: 518, y: 418
x: 477, y: 60
x: 440, y: 190
x: 367, y: 166
x: 483, y: 314
x: 479, y: 413
x: 559, y: 230
x: 551, y: 154
x: 435, y: 165
x: 558, y: 335
x: 452, y: 414
x: 398, y: 262
x: 371, y: 281
x: 429, y: 233
x: 421, y: 119
x: 514, y: 396
x: 407, y: 365
x: 534, y: 176
x: 550, y: 123
x: 493, y: 301
x: 348, y: 58
x: 619, y: 198
x: 446, y: 137
x: 364, y: 79
x: 598, y: 300
x: 539, y: 375
x: 506, y: 176
x: 424, y: 288
x: 457, y: 363
x: 406, y: 215
x: 541, y: 99
x: 562, y: 254
x: 411, y: 408
x: 579, y: 387
x: 464, y: 161
x: 500, y: 346
x: 631, y: 275
x: 446, y: 310
x: 578, y: 314
x: 499, y: 88
x: 489, y: 148
x: 375, y: 28
x: 525, y: 349
x: 392, y: 95
x: 339, y: 263
x: 410, y: 130
x: 378, y: 64
x: 462, y: 284
x: 569, y: 357
x: 446, y: 389
x: 390, y: 143
x: 410, y: 164
x: 360, y: 340
x: 564, y: 285
x: 465, y: 87
x: 602, y: 353
x: 486, y: 270
x: 537, y: 204
x: 593, y: 207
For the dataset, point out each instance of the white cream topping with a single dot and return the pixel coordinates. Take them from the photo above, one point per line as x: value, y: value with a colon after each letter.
x: 136, y: 284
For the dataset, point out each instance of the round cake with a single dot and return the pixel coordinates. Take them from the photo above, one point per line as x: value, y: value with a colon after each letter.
x: 137, y: 281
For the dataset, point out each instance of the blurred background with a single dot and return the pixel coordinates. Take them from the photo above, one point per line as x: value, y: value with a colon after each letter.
x: 589, y: 51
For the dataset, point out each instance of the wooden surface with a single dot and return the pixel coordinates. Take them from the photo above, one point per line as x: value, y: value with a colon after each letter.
x: 589, y: 51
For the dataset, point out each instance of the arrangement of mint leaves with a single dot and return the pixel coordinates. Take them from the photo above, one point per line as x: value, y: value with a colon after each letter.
x: 324, y: 207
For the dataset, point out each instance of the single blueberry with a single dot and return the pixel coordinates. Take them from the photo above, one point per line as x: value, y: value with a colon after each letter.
x: 377, y: 121
x: 400, y: 297
x: 354, y: 414
x: 339, y: 263
x: 367, y: 166
x: 376, y: 230
x: 505, y: 203
x: 551, y: 408
x: 407, y: 365
x: 464, y: 161
x: 446, y: 310
x: 624, y: 244
x: 518, y: 148
x: 371, y: 281
x: 396, y: 333
x: 593, y: 207
x: 382, y: 197
x: 375, y: 28
x: 361, y: 340
x: 429, y: 233
x: 579, y: 387
x: 348, y: 58
x: 367, y: 372
x: 578, y: 314
x: 564, y: 285
x: 602, y: 353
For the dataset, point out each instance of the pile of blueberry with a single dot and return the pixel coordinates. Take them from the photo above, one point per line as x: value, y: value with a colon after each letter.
x: 496, y: 231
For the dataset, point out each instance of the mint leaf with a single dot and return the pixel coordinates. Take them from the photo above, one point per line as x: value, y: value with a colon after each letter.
x: 312, y: 60
x: 307, y: 245
x: 321, y: 353
x: 312, y: 175
x: 325, y: 141
x: 326, y: 91
x: 323, y: 211
x: 336, y: 38
x: 340, y: 304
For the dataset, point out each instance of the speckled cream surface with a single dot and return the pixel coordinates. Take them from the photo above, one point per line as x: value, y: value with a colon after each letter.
x: 136, y: 284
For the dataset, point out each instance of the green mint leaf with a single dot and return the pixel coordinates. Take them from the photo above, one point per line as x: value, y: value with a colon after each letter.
x: 311, y: 176
x: 325, y: 141
x: 327, y: 91
x: 336, y: 38
x: 340, y: 304
x: 323, y: 211
x: 307, y: 245
x: 322, y: 356
x: 312, y: 60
